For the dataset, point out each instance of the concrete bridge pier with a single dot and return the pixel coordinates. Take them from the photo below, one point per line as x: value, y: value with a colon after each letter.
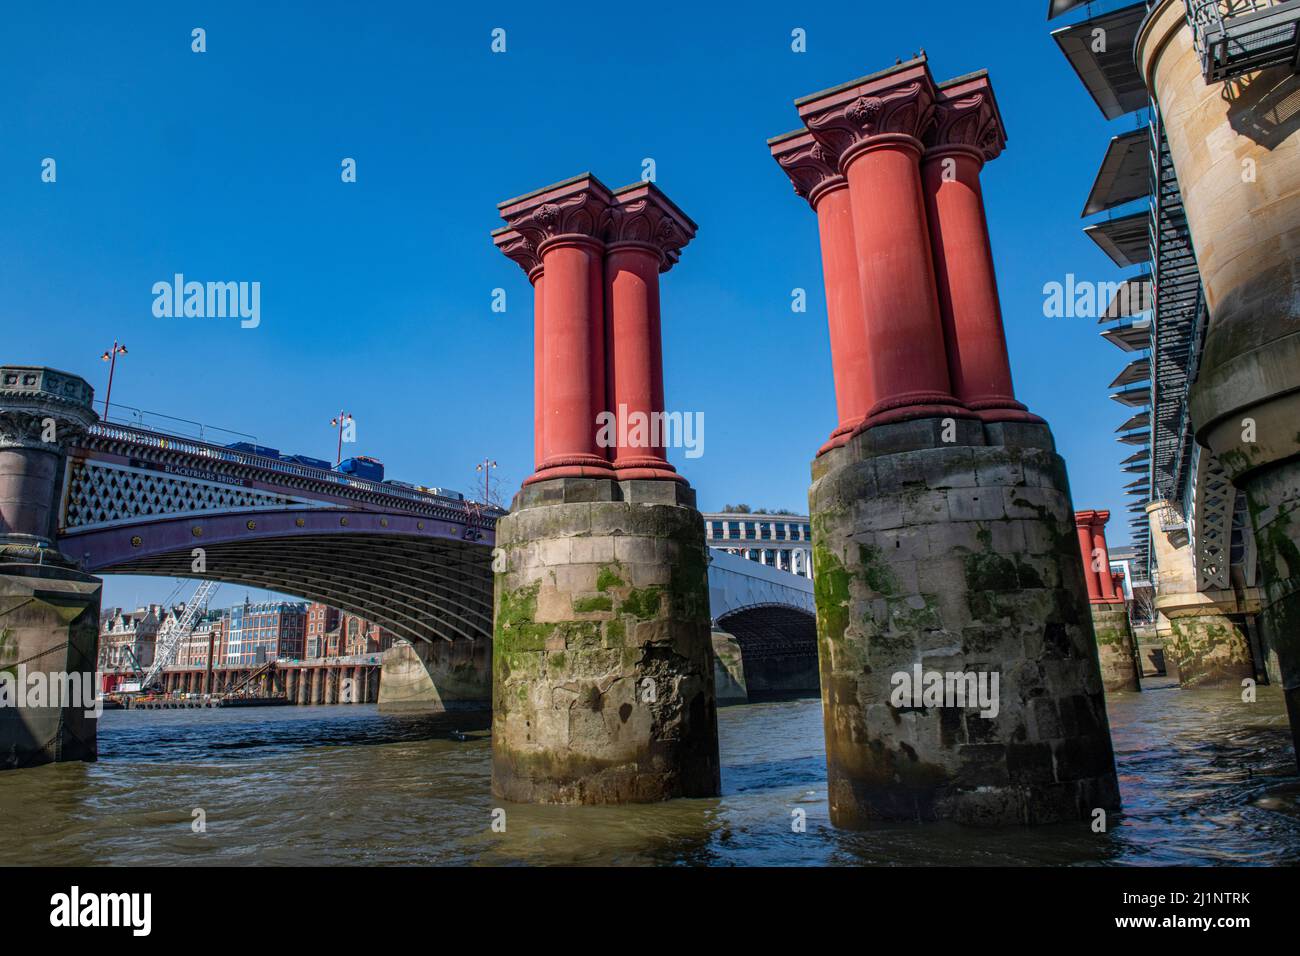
x: 1116, y: 643
x: 933, y: 559
x: 959, y: 669
x: 435, y: 678
x: 1204, y: 630
x: 1236, y: 149
x: 49, y: 610
x: 728, y: 670
x: 603, y: 673
x: 602, y: 667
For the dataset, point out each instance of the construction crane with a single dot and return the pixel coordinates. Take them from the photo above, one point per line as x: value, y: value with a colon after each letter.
x: 176, y: 630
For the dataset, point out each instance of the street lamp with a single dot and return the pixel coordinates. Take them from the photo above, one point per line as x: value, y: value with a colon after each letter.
x: 111, y: 358
x: 486, y: 466
x: 341, y: 421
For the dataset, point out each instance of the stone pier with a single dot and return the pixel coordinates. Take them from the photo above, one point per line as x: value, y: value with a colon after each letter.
x: 49, y: 611
x: 447, y: 677
x: 959, y: 669
x: 1236, y: 150
x: 602, y: 667
x: 728, y: 670
x: 1205, y: 631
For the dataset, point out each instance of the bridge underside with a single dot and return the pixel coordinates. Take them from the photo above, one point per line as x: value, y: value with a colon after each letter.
x: 430, y: 588
x: 779, y: 648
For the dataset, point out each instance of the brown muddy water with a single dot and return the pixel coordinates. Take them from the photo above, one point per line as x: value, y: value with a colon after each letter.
x: 1206, y: 779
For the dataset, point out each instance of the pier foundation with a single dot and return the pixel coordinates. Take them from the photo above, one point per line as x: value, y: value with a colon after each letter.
x: 956, y: 559
x: 602, y: 667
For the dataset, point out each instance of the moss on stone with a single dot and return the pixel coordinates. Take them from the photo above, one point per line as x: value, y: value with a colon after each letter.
x: 590, y: 605
x: 876, y: 572
x: 642, y: 603
x: 608, y: 578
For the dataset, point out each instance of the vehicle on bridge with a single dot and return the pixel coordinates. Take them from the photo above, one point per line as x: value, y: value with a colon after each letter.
x: 362, y: 466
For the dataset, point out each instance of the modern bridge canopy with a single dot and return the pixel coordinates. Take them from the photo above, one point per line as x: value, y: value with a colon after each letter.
x: 1125, y: 172
x: 1109, y: 73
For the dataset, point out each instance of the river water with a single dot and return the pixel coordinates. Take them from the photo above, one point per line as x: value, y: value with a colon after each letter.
x: 1206, y: 779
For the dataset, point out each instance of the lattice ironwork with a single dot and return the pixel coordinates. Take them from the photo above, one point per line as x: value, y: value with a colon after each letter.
x: 100, y: 493
x: 1212, y: 523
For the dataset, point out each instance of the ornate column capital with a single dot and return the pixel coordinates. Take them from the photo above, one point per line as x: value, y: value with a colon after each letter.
x: 519, y: 248
x: 812, y: 168
x: 642, y: 214
x: 570, y: 209
x: 966, y: 115
x: 31, y: 395
x: 847, y: 118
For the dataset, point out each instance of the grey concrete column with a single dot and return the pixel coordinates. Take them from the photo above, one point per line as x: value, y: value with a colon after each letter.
x: 937, y: 557
x: 602, y: 669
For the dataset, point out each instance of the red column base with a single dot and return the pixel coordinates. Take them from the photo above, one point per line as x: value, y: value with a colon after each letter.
x: 902, y: 408
x: 645, y: 468
x: 660, y: 472
x: 577, y: 466
x: 1003, y: 410
x: 841, y: 435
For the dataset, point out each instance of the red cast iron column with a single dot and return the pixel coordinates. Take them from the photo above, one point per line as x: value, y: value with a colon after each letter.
x: 816, y: 178
x: 968, y: 131
x: 872, y: 126
x: 1099, y: 519
x: 563, y: 224
x: 645, y: 233
x: 1083, y: 527
x: 522, y: 251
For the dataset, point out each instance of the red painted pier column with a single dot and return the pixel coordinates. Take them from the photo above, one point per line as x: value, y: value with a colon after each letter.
x: 816, y: 178
x: 521, y: 250
x: 1083, y: 527
x: 967, y: 132
x: 563, y: 225
x: 644, y: 236
x: 872, y: 127
x: 1099, y: 519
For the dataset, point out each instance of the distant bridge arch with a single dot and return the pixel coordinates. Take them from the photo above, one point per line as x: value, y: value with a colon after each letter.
x: 772, y: 617
x: 139, y: 502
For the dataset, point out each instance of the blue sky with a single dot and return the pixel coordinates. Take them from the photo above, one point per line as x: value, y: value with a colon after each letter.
x: 376, y: 295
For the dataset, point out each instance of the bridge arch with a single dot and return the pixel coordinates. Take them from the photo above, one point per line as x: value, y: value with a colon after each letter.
x: 765, y: 628
x: 423, y: 579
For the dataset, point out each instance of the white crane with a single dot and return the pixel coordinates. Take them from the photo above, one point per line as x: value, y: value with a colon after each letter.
x: 176, y: 629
